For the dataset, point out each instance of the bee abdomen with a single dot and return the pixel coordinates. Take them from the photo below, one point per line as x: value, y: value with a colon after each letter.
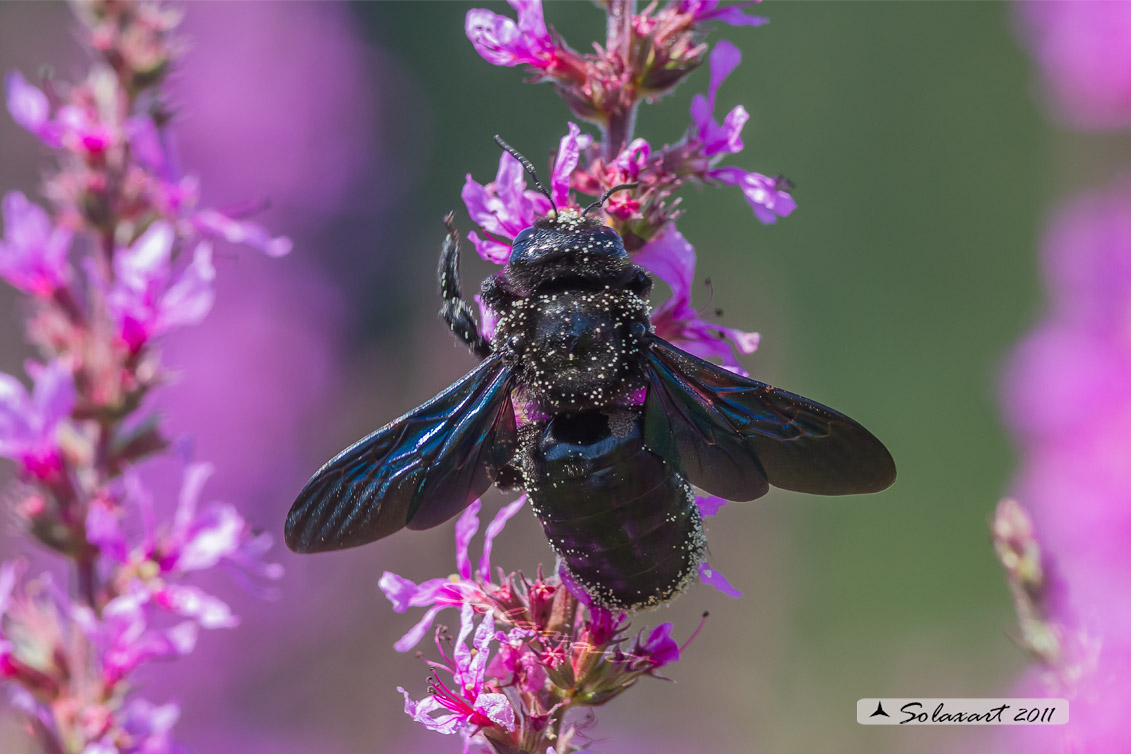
x: 624, y: 522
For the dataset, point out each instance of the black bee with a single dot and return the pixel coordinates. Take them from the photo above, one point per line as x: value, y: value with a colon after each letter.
x: 609, y: 477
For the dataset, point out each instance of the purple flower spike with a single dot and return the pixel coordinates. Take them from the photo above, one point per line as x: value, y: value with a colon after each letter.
x: 29, y: 108
x: 29, y: 423
x: 33, y: 254
x: 725, y: 138
x: 500, y: 41
x: 768, y: 197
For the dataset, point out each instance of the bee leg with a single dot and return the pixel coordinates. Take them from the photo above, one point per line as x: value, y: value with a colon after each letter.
x: 454, y: 310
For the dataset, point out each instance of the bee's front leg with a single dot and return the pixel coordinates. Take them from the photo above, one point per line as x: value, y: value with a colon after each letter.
x: 454, y: 310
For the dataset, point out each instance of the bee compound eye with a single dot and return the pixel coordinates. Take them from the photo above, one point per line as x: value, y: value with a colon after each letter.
x: 523, y: 236
x: 638, y: 329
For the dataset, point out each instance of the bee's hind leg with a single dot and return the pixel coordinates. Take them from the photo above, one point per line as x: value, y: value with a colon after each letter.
x: 456, y: 312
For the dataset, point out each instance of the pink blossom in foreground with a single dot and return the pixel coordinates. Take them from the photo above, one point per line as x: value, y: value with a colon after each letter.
x: 537, y: 649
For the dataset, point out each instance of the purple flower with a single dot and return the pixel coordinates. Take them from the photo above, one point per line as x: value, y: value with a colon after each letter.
x: 29, y: 108
x: 148, y: 297
x: 659, y: 649
x: 29, y: 423
x: 437, y: 594
x: 710, y: 505
x: 709, y: 10
x: 241, y: 231
x: 33, y: 254
x: 768, y: 197
x: 467, y: 704
x: 195, y: 540
x: 672, y: 259
x: 505, y: 207
x: 716, y: 580
x: 569, y: 153
x: 726, y: 138
x: 124, y: 639
x: 500, y: 41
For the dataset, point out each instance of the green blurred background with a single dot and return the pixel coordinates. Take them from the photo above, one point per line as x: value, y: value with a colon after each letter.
x: 924, y: 168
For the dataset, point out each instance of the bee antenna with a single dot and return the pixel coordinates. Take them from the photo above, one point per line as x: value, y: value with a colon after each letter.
x: 605, y: 197
x: 528, y: 166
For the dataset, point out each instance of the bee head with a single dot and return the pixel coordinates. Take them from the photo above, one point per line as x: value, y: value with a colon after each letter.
x: 566, y: 237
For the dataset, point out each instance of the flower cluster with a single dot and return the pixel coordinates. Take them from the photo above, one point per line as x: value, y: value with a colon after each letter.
x: 533, y: 656
x: 122, y: 256
x: 643, y: 215
x: 538, y: 658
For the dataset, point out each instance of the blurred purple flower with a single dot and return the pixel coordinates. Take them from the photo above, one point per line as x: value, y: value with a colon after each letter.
x: 1084, y: 57
x: 29, y: 423
x: 148, y: 298
x: 725, y: 138
x: 33, y: 254
x: 501, y: 41
x: 30, y: 108
x: 124, y: 640
x: 1067, y: 398
x: 246, y: 232
x: 195, y: 540
x: 672, y: 259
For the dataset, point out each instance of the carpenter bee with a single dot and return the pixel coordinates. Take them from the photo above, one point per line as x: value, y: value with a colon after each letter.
x: 609, y: 474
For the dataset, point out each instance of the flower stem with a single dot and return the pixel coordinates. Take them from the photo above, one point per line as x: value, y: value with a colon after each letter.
x: 622, y: 116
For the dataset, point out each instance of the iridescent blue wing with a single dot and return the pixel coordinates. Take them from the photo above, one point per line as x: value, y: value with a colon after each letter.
x: 417, y: 471
x: 733, y: 436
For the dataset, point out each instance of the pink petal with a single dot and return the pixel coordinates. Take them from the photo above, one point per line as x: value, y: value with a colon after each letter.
x: 416, y: 633
x: 569, y: 153
x: 714, y: 579
x: 466, y: 527
x: 29, y: 108
x: 709, y: 505
x: 493, y: 529
x: 498, y: 710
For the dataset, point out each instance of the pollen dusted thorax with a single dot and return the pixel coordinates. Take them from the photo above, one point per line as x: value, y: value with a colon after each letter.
x: 573, y: 312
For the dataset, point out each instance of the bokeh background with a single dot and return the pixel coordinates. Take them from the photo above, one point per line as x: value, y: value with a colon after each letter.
x: 925, y: 167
